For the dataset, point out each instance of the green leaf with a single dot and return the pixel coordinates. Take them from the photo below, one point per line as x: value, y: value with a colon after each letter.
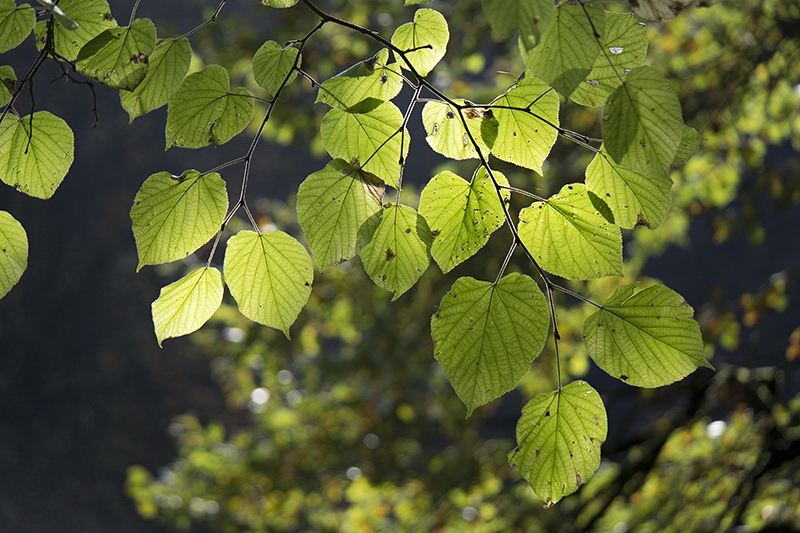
x: 569, y: 237
x: 175, y: 215
x: 13, y: 252
x: 278, y: 3
x: 205, y: 111
x: 373, y: 78
x: 370, y: 141
x: 625, y: 47
x: 690, y: 142
x: 92, y: 17
x: 636, y: 198
x: 398, y: 251
x: 446, y: 132
x: 412, y: 2
x: 269, y: 276
x: 119, y: 57
x: 648, y: 339
x: 168, y: 65
x: 569, y: 47
x: 525, y: 138
x: 530, y: 17
x: 185, y: 305
x: 35, y: 153
x: 332, y: 205
x: 642, y: 122
x: 8, y: 81
x: 16, y: 23
x: 272, y: 64
x: 424, y: 40
x: 461, y: 215
x: 558, y: 440
x: 487, y: 334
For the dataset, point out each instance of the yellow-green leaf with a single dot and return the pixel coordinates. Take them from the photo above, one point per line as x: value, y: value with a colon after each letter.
x: 13, y: 252
x: 185, y: 305
x: 269, y: 276
x: 175, y: 215
x: 119, y: 57
x: 272, y: 64
x: 423, y: 41
x: 92, y: 18
x: 16, y: 23
x: 35, y: 153
x: 558, y: 440
x: 374, y: 78
x: 446, y: 132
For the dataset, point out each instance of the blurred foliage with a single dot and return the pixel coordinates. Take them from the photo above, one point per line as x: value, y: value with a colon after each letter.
x: 351, y: 426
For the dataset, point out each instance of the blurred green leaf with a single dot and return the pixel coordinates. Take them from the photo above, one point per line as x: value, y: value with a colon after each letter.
x: 13, y: 252
x: 530, y: 17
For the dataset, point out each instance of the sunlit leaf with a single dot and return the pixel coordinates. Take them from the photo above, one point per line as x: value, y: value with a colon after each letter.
x: 446, y: 132
x: 278, y: 3
x: 8, y: 81
x: 272, y: 64
x: 373, y: 78
x: 399, y: 250
x: 332, y: 205
x: 487, y: 334
x: 424, y: 40
x: 370, y: 141
x: 569, y: 47
x: 530, y: 17
x: 569, y: 237
x: 690, y: 142
x: 648, y: 339
x: 269, y: 276
x: 92, y: 18
x: 412, y: 2
x: 35, y: 153
x: 185, y: 305
x: 625, y: 47
x: 119, y: 57
x: 558, y: 440
x: 13, y: 252
x: 642, y: 122
x: 16, y: 23
x: 526, y: 137
x: 175, y: 215
x: 636, y: 198
x: 461, y: 215
x: 205, y: 111
x: 168, y: 65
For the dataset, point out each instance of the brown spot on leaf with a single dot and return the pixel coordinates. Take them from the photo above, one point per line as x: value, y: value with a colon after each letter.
x: 390, y: 255
x: 623, y: 377
x: 547, y: 413
x: 140, y: 58
x: 641, y: 221
x: 578, y: 479
x: 435, y: 233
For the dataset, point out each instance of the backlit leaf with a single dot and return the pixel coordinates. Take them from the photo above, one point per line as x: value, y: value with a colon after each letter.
x: 648, y: 339
x: 370, y: 141
x: 278, y: 3
x: 119, y: 57
x: 175, y: 215
x: 530, y: 17
x: 167, y: 66
x: 690, y: 142
x: 569, y: 47
x: 636, y: 198
x: 398, y: 252
x: 486, y: 335
x: 642, y: 122
x: 269, y: 276
x: 13, y: 252
x: 16, y: 23
x: 569, y: 237
x: 461, y: 215
x: 625, y: 47
x: 272, y: 64
x: 205, y: 111
x: 92, y: 18
x: 35, y: 153
x: 185, y: 305
x: 424, y: 40
x: 446, y: 132
x: 526, y: 137
x: 373, y: 78
x: 558, y: 440
x: 8, y: 81
x: 332, y: 205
